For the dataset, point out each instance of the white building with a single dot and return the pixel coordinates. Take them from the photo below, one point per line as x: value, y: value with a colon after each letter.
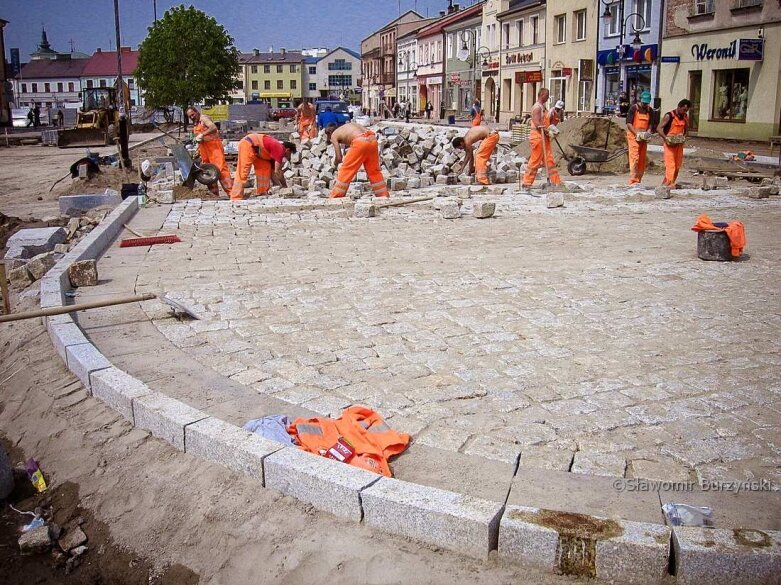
x: 407, y: 70
x: 334, y: 74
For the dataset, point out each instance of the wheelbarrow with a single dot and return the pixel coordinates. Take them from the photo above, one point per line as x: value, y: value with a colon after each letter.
x: 586, y: 154
x: 190, y: 164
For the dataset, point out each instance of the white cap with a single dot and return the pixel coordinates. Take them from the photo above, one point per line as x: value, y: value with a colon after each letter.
x: 559, y: 105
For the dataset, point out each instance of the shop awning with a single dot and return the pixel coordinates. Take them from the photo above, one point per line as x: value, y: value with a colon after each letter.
x: 645, y: 54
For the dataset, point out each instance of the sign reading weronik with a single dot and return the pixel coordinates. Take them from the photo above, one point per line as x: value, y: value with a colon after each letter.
x: 742, y: 50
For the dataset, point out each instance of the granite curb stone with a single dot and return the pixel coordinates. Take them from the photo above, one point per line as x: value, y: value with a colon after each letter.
x: 83, y: 359
x: 118, y: 390
x: 165, y: 417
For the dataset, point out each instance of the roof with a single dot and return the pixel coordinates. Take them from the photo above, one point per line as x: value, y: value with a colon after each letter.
x: 311, y: 60
x: 516, y: 5
x: 440, y: 24
x: 392, y: 22
x: 286, y: 57
x: 414, y: 31
x: 53, y: 68
x: 104, y: 63
x: 348, y: 51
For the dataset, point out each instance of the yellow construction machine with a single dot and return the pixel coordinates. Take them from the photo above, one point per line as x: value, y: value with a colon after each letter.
x: 97, y: 122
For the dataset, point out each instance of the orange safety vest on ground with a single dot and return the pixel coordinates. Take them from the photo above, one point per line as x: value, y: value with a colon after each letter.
x: 369, y: 435
x: 638, y: 150
x: 541, y: 156
x: 251, y: 153
x: 735, y: 232
x: 673, y: 153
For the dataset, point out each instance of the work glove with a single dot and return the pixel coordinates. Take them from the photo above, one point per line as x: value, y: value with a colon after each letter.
x: 199, y: 138
x: 553, y: 130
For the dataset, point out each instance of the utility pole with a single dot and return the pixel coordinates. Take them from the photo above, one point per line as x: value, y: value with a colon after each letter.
x: 123, y: 119
x: 154, y: 4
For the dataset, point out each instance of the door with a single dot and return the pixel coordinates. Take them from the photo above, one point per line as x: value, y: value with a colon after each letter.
x: 695, y: 93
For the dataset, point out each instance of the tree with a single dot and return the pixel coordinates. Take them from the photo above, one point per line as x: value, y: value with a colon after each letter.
x: 186, y: 58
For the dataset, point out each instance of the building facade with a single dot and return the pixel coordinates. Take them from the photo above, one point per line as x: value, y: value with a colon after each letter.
x: 101, y: 70
x: 724, y: 57
x: 275, y: 78
x: 570, y: 48
x: 310, y: 78
x: 490, y: 72
x: 50, y: 83
x: 522, y: 56
x: 622, y: 67
x: 464, y: 57
x: 336, y: 74
x: 407, y: 71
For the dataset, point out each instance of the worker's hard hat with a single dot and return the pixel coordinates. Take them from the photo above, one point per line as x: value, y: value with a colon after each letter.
x: 559, y: 105
x: 646, y: 97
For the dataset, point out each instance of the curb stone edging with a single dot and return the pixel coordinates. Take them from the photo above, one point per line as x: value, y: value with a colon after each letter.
x: 633, y: 551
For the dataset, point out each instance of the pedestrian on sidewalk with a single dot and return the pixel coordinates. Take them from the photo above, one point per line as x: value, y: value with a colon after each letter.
x: 673, y: 129
x: 429, y: 109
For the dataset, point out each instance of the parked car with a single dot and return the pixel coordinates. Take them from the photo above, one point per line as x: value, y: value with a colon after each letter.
x: 339, y: 114
x: 278, y: 113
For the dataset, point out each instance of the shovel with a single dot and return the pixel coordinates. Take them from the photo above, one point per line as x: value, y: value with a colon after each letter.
x: 51, y: 311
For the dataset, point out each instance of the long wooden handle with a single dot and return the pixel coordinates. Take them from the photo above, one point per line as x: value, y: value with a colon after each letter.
x: 404, y: 202
x: 80, y: 307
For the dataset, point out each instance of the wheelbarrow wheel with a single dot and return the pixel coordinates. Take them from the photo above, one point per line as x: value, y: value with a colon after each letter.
x: 208, y: 174
x: 577, y: 166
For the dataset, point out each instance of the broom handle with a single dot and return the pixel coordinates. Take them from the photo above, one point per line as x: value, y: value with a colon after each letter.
x: 404, y: 202
x: 79, y: 307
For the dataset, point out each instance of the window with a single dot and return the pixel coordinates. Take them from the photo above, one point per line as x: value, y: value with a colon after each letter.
x: 130, y: 83
x: 560, y: 26
x: 255, y: 84
x: 254, y: 68
x: 340, y: 80
x: 612, y: 25
x: 580, y: 25
x: 280, y: 84
x: 89, y: 84
x: 312, y: 87
x: 643, y: 8
x: 535, y: 24
x: 266, y: 84
x: 439, y: 51
x: 505, y: 36
x: 340, y: 65
x: 24, y: 88
x: 292, y: 84
x: 71, y: 86
x: 35, y: 88
x: 450, y: 52
x: 703, y: 7
x: 312, y: 70
x: 279, y: 68
x: 102, y: 83
x: 240, y: 84
x: 60, y: 87
x: 293, y: 68
x: 730, y: 94
x: 267, y: 69
x: 519, y: 32
x: 47, y: 87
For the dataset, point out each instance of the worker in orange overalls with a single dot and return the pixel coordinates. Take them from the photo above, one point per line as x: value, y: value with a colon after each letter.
x: 477, y: 162
x: 207, y: 137
x: 675, y: 122
x: 260, y: 151
x: 639, y: 119
x: 305, y: 117
x: 541, y: 153
x: 477, y: 113
x: 362, y: 151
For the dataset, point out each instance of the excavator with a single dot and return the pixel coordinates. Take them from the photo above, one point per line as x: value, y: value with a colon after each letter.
x: 97, y: 122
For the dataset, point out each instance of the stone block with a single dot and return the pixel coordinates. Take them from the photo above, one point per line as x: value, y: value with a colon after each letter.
x: 83, y: 273
x: 166, y: 196
x: 441, y: 180
x: 413, y: 183
x: 466, y: 179
x: 663, y: 192
x: 73, y: 205
x: 20, y: 277
x: 397, y: 184
x: 118, y: 390
x: 756, y: 193
x: 553, y: 200
x: 483, y: 209
x: 450, y: 210
x: 721, y: 182
x: 83, y: 359
x: 61, y: 248
x: 41, y: 264
x: 454, y: 521
x: 35, y: 541
x: 63, y: 335
x: 585, y: 546
x: 230, y: 446
x: 724, y: 557
x: 768, y: 190
x: 31, y: 242
x: 164, y: 417
x: 325, y: 483
x: 365, y: 210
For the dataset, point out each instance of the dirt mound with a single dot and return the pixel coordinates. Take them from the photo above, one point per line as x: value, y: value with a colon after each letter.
x: 595, y: 132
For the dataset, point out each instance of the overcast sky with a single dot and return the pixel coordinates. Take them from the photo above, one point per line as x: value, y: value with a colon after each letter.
x: 252, y: 23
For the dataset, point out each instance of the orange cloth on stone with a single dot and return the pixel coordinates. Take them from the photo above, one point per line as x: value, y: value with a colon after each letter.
x: 483, y: 155
x: 538, y: 156
x: 251, y: 153
x: 638, y: 150
x: 478, y: 119
x: 735, y: 232
x: 372, y: 439
x: 673, y: 153
x: 306, y: 126
x: 363, y: 151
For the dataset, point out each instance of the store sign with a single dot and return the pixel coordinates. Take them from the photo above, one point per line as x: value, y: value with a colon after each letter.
x: 703, y: 52
x: 567, y: 71
x: 670, y: 59
x: 751, y: 49
x: 612, y: 70
x: 517, y: 58
x: 528, y: 76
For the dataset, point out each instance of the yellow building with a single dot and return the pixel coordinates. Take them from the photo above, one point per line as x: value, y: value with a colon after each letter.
x: 724, y: 57
x: 274, y: 78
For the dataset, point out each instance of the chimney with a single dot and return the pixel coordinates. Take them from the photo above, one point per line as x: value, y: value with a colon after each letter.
x: 97, y: 50
x: 282, y: 50
x: 255, y: 52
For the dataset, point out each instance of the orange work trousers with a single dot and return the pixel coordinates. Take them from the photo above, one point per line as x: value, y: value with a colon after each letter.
x: 248, y: 158
x: 637, y: 158
x: 478, y: 119
x: 483, y: 155
x: 211, y: 152
x: 673, y: 161
x: 307, y: 128
x: 538, y: 158
x: 362, y: 152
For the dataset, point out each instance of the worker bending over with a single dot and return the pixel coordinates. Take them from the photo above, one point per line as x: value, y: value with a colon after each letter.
x: 207, y: 137
x: 541, y: 153
x: 639, y: 125
x: 673, y: 130
x: 262, y: 152
x: 305, y: 116
x: 362, y: 150
x: 478, y: 162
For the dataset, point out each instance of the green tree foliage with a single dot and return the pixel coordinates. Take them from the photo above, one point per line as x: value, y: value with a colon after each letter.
x: 186, y: 58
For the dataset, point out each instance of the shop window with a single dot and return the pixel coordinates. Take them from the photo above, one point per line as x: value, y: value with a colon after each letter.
x: 730, y: 94
x: 507, y: 88
x: 558, y: 86
x: 560, y: 26
x: 580, y: 25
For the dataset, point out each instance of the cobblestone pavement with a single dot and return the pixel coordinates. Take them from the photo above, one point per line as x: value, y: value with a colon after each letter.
x: 588, y: 338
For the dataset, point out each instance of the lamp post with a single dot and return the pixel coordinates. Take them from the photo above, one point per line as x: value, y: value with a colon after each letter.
x: 404, y: 56
x: 637, y: 42
x: 468, y: 37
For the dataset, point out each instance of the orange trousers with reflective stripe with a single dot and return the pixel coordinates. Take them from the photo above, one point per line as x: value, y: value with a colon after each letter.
x: 673, y: 161
x: 537, y: 158
x: 362, y: 152
x: 483, y: 155
x: 637, y: 158
x: 478, y: 119
x: 307, y: 128
x: 212, y: 152
x: 247, y: 159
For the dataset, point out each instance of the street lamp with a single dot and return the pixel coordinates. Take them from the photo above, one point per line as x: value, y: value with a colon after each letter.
x: 468, y: 36
x: 637, y: 42
x: 411, y: 66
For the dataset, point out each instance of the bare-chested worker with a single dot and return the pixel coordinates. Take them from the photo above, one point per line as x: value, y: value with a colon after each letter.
x: 362, y: 150
x: 478, y: 162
